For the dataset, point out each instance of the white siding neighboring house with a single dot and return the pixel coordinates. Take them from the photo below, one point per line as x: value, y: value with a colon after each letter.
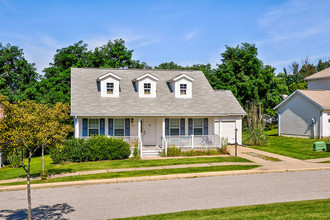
x: 306, y: 113
x: 153, y: 107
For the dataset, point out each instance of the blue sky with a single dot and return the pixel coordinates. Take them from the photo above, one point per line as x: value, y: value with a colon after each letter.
x: 186, y: 32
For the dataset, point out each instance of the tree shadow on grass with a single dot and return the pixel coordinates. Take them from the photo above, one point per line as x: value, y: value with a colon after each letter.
x: 42, y: 212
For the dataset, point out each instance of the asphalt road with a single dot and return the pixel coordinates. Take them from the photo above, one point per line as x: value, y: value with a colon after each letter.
x: 151, y: 197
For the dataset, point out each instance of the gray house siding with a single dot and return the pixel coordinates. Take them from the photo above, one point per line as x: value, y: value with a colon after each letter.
x: 295, y: 117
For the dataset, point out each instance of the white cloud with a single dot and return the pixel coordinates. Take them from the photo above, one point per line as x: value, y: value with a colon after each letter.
x: 294, y: 20
x: 190, y: 35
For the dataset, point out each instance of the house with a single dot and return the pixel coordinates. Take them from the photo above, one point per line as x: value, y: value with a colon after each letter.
x: 153, y: 107
x: 306, y: 113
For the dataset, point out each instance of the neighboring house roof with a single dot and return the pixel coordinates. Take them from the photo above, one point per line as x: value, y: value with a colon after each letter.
x: 86, y: 100
x: 319, y: 75
x: 320, y: 98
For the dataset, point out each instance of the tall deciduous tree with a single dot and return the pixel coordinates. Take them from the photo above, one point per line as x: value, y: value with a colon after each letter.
x: 18, y: 77
x: 27, y: 127
x: 248, y: 78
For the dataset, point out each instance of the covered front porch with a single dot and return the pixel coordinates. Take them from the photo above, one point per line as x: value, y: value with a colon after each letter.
x: 161, y: 132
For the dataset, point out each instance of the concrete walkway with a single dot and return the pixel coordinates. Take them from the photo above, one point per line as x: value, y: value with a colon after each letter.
x: 133, y: 169
x: 286, y: 163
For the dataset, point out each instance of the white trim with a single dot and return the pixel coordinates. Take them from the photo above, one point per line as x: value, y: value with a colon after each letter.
x: 145, y: 75
x: 287, y: 98
x: 183, y: 75
x: 107, y: 75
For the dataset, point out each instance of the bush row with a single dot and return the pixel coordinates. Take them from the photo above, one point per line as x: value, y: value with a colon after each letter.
x: 93, y: 149
x: 175, y: 152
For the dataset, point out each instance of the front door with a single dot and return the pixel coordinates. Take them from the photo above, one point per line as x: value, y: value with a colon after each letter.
x: 149, y: 131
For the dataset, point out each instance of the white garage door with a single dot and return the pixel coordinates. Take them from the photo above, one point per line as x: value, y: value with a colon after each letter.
x: 228, y: 131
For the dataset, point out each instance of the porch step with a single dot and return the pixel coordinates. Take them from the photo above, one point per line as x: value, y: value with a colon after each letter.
x: 151, y: 151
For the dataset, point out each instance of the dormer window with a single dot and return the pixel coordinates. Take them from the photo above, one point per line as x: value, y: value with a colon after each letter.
x: 181, y: 85
x: 147, y: 88
x: 146, y: 85
x: 110, y: 87
x: 183, y: 89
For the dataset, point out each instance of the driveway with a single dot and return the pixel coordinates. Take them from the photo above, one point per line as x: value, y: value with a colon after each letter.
x: 152, y: 197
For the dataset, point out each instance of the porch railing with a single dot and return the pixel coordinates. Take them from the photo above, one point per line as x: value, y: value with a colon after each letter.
x: 193, y: 141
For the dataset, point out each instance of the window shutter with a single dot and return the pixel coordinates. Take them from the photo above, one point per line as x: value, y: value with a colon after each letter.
x: 102, y: 126
x: 127, y: 127
x: 182, y: 126
x: 110, y: 121
x: 206, y: 126
x: 85, y: 127
x: 167, y: 127
x: 190, y: 126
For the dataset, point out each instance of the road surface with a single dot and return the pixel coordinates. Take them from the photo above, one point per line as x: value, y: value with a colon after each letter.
x: 152, y: 197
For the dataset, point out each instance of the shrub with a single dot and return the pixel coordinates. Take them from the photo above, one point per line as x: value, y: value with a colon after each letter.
x: 136, y: 151
x: 173, y: 151
x: 255, y: 131
x: 93, y: 149
x: 13, y: 160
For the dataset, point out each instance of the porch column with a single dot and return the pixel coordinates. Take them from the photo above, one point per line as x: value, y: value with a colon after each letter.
x: 76, y: 127
x: 163, y: 133
x: 139, y: 128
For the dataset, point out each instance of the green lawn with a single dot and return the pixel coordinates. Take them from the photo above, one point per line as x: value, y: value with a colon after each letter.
x: 140, y: 173
x: 312, y: 209
x: 11, y: 173
x: 300, y: 148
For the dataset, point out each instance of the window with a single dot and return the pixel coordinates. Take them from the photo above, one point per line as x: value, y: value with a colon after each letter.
x: 174, y: 126
x: 93, y: 127
x: 183, y: 89
x: 198, y: 126
x: 119, y: 127
x: 147, y: 88
x: 110, y: 87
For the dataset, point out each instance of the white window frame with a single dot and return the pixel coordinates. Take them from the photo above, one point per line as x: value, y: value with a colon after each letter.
x: 171, y: 127
x: 98, y: 126
x: 110, y: 89
x: 147, y: 87
x: 114, y: 127
x: 183, y: 89
x: 198, y: 127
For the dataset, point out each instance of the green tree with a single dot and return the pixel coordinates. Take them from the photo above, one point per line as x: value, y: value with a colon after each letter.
x: 27, y: 127
x: 18, y: 77
x: 248, y: 78
x: 55, y: 85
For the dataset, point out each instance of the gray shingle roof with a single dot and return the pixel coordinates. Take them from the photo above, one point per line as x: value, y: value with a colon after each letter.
x: 86, y: 100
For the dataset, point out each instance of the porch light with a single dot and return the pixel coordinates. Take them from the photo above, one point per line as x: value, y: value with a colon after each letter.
x: 132, y: 120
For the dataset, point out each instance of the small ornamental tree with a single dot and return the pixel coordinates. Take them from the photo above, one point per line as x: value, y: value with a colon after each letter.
x: 28, y: 126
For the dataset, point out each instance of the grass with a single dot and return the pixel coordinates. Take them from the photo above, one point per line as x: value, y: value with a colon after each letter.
x: 300, y: 148
x: 12, y: 173
x: 311, y: 209
x: 139, y: 173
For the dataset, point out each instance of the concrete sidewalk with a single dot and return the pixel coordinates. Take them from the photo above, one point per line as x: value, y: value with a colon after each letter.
x: 133, y: 169
x: 286, y: 163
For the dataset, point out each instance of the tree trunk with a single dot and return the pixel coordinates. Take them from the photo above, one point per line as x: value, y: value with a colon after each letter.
x: 29, y: 189
x: 43, y: 159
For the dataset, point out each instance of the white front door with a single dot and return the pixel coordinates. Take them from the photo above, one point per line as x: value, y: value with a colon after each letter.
x: 149, y: 131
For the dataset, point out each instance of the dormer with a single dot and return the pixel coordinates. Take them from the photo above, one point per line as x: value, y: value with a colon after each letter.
x: 181, y: 85
x: 146, y: 85
x: 109, y: 85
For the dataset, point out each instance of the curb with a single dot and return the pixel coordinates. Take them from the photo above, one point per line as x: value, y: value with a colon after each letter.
x: 151, y: 178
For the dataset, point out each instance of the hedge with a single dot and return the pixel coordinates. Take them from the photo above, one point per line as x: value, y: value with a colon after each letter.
x: 93, y: 149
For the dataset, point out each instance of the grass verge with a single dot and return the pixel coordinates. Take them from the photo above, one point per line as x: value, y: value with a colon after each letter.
x: 300, y: 148
x: 138, y: 173
x: 36, y: 167
x: 311, y: 209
